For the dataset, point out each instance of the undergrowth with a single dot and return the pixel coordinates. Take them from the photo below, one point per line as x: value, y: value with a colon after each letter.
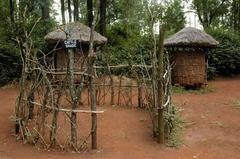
x: 236, y: 104
x: 175, y: 127
x: 204, y: 90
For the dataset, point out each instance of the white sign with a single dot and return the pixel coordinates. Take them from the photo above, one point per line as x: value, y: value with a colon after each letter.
x: 70, y: 43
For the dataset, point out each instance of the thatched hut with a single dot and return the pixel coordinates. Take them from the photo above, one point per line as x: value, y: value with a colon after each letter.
x: 188, y: 49
x: 80, y: 34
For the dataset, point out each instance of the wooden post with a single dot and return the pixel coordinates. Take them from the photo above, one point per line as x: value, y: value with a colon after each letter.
x: 98, y: 94
x: 104, y: 91
x: 160, y: 87
x: 88, y: 96
x: 119, y: 90
x: 41, y: 124
x: 131, y: 94
x: 53, y: 132
x: 91, y: 63
x: 22, y: 82
x: 31, y: 105
x: 112, y: 90
x: 139, y: 94
x: 73, y: 97
x: 154, y: 91
x: 92, y: 91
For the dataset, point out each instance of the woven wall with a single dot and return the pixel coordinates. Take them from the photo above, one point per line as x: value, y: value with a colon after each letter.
x: 189, y: 68
x: 62, y: 62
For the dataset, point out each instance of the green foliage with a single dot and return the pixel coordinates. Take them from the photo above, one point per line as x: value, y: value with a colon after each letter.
x: 174, y: 18
x: 131, y: 14
x: 130, y: 30
x: 210, y: 11
x: 124, y: 48
x: 225, y: 59
x: 174, y: 125
x: 221, y: 19
x: 10, y: 65
x: 236, y: 104
x: 181, y: 90
x: 28, y: 13
x: 211, y: 73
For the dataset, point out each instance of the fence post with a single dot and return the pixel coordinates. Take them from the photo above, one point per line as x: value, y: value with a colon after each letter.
x: 160, y: 87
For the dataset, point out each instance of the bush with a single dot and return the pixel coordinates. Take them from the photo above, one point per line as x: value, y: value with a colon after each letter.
x: 225, y: 59
x: 10, y: 65
x: 124, y: 48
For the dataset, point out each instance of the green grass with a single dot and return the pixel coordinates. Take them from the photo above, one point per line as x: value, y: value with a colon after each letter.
x: 181, y: 90
x: 236, y: 104
x: 175, y: 138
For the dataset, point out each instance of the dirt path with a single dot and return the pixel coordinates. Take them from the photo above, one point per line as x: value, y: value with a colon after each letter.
x: 212, y: 132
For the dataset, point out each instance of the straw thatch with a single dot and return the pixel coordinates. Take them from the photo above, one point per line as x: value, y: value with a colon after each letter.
x: 191, y: 37
x: 76, y: 31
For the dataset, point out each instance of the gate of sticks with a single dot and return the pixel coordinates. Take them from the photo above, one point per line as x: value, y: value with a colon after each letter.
x: 56, y: 87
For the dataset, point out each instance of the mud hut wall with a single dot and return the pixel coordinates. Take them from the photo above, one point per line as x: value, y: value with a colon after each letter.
x: 189, y: 67
x: 61, y: 63
x: 62, y: 60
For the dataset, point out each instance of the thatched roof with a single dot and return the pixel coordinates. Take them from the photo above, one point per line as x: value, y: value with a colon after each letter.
x: 191, y: 37
x: 76, y: 31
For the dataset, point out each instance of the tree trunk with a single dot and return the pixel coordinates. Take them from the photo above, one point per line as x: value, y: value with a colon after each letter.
x: 89, y: 12
x: 102, y: 22
x: 63, y: 11
x: 45, y: 10
x: 160, y: 88
x: 11, y: 4
x: 154, y: 84
x: 74, y: 98
x: 91, y: 62
x: 53, y: 132
x: 139, y: 94
x: 76, y: 10
x: 69, y: 11
x: 31, y: 99
x: 93, y: 101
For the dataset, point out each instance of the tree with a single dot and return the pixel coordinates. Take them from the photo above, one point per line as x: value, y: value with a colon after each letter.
x: 210, y: 10
x: 235, y: 15
x: 174, y: 18
x: 45, y: 10
x: 69, y: 11
x: 102, y: 25
x: 11, y: 10
x: 63, y: 11
x: 89, y: 12
x: 76, y: 10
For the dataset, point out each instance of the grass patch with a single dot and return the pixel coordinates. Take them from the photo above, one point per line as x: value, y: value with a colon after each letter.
x: 181, y: 90
x: 175, y: 138
x: 175, y: 125
x: 236, y: 104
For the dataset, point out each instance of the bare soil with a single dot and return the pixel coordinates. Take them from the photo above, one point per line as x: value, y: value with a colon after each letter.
x: 212, y: 129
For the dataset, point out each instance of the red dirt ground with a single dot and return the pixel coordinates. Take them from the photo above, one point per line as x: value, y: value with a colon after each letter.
x: 212, y: 131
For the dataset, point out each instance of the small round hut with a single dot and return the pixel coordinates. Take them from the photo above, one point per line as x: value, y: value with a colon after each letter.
x: 75, y: 36
x: 188, y: 49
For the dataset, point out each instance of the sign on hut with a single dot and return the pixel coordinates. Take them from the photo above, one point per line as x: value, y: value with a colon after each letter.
x: 188, y: 49
x: 71, y: 36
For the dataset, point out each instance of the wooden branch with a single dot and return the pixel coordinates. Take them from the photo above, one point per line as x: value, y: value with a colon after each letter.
x: 168, y: 101
x: 91, y: 63
x: 121, y: 66
x: 70, y: 110
x: 160, y: 87
x: 75, y: 73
